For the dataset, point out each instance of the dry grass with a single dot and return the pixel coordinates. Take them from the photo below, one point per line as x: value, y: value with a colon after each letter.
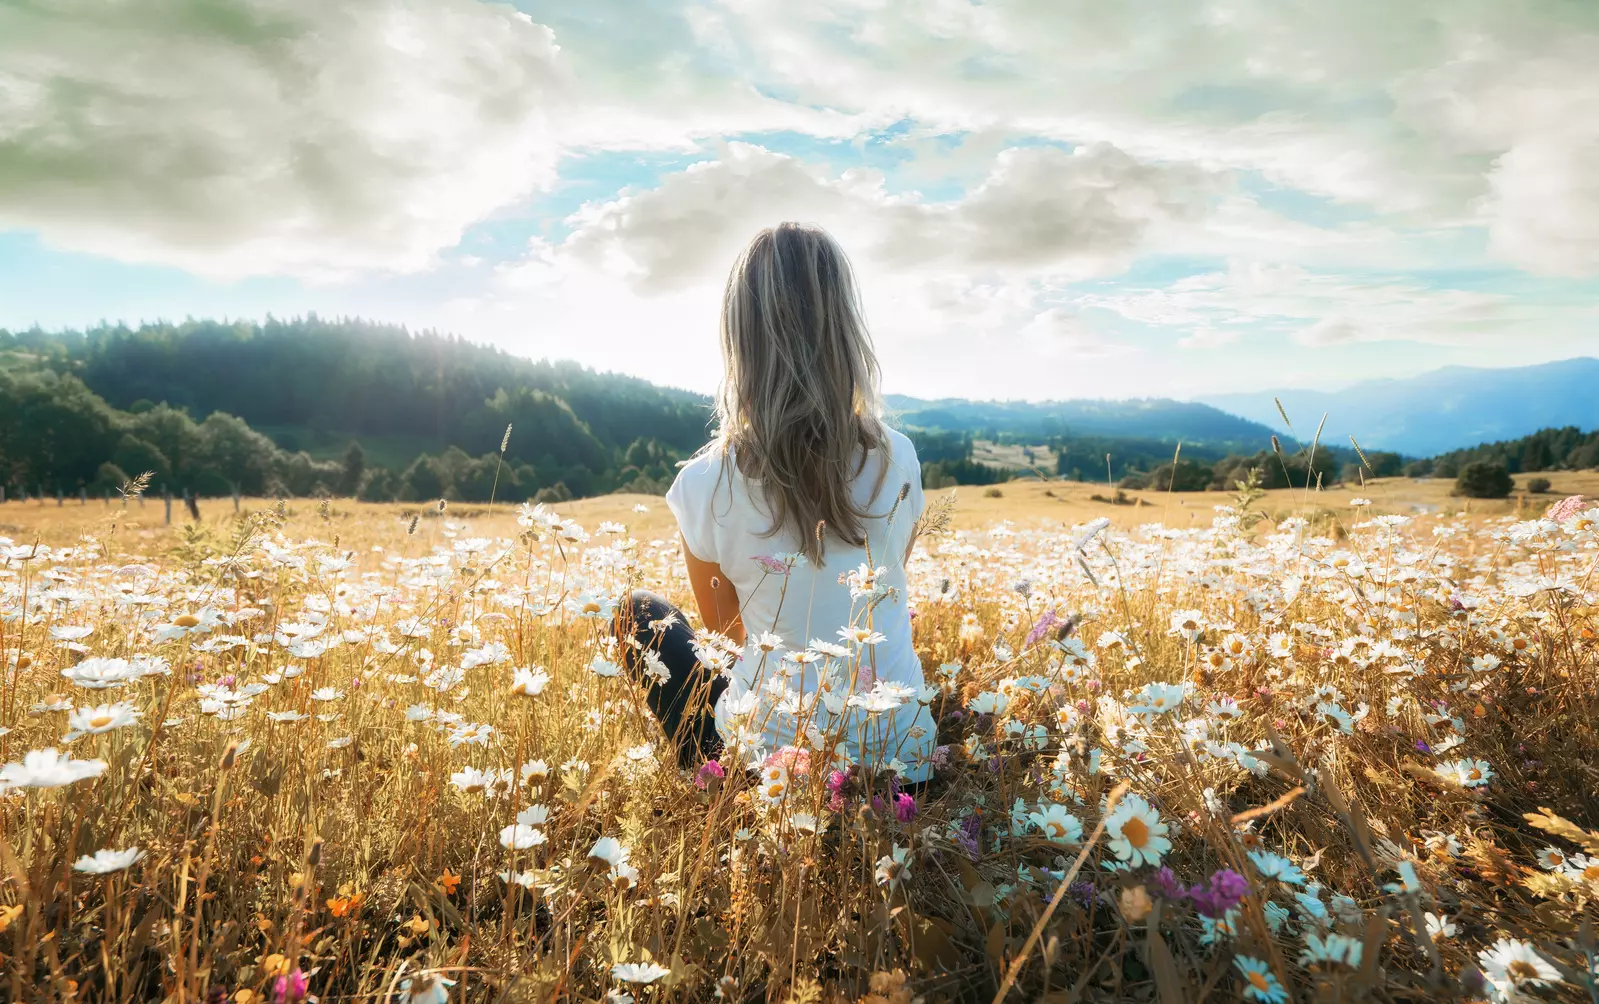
x: 351, y: 849
x: 1030, y: 503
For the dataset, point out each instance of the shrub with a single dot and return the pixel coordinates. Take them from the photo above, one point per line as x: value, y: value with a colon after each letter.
x: 993, y: 493
x: 110, y: 477
x: 1185, y: 476
x: 1482, y: 479
x: 557, y: 492
x: 1538, y: 485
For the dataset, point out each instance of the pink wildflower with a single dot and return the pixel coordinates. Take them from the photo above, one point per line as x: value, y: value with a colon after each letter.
x: 290, y: 989
x: 1566, y: 508
x: 709, y: 771
x: 797, y: 761
x: 771, y: 564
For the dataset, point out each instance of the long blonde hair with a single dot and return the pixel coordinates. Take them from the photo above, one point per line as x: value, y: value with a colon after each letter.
x: 799, y: 407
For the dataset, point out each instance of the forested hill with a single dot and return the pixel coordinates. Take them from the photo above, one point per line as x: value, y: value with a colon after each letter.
x: 315, y: 385
x: 369, y: 379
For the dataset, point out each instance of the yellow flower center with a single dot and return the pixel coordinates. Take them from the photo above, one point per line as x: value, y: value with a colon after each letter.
x: 1474, y: 774
x: 1258, y: 981
x: 1136, y: 832
x: 186, y: 620
x: 1591, y: 873
x: 1056, y: 829
x: 591, y: 607
x: 1522, y: 970
x: 99, y: 721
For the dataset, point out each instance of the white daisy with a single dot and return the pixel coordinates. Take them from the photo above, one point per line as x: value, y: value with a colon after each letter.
x: 94, y: 721
x: 103, y: 862
x: 1136, y: 834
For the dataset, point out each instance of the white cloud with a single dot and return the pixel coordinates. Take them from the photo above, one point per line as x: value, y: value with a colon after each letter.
x: 1319, y: 309
x: 1057, y: 332
x: 1427, y: 112
x: 1527, y: 110
x: 231, y: 137
x: 1207, y: 337
x: 1041, y: 210
x: 1330, y: 331
x: 689, y: 227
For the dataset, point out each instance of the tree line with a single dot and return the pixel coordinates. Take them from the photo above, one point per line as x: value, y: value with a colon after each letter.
x: 1555, y: 449
x: 311, y: 406
x: 213, y: 408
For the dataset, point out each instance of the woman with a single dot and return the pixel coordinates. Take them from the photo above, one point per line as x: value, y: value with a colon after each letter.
x: 796, y: 521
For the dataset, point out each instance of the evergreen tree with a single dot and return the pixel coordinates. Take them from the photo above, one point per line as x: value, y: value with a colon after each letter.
x: 354, y: 469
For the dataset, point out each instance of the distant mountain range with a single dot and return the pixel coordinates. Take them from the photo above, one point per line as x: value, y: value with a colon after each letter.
x: 1446, y: 409
x: 1158, y: 419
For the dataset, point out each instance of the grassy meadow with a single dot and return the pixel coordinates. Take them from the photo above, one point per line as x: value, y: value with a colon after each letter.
x: 1291, y: 748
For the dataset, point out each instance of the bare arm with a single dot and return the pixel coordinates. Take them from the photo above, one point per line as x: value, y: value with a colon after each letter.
x: 715, y: 596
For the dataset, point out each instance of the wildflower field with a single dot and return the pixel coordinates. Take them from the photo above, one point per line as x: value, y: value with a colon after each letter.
x: 1294, y: 747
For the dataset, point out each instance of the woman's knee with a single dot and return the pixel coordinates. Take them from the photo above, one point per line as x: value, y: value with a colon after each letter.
x: 637, y: 611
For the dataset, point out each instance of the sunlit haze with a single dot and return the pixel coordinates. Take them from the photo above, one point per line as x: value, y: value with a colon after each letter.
x: 1043, y: 199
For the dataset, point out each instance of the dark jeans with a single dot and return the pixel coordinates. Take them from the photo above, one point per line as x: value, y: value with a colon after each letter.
x: 685, y: 703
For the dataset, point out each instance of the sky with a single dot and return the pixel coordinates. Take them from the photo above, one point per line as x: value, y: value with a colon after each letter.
x: 1041, y: 198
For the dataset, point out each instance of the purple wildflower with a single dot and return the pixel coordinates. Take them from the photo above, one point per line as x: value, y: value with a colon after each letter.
x: 1226, y: 889
x: 904, y: 807
x: 1164, y: 883
x: 1082, y: 891
x: 966, y: 839
x: 1047, y: 621
x: 838, y: 785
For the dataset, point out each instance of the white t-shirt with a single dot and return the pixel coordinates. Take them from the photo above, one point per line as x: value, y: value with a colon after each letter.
x: 798, y: 691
